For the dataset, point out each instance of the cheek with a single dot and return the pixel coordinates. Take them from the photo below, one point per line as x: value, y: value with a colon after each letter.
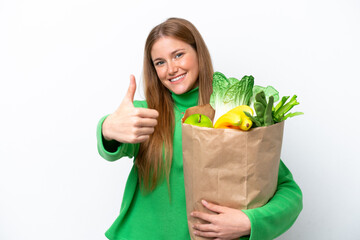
x: 192, y: 64
x: 161, y: 73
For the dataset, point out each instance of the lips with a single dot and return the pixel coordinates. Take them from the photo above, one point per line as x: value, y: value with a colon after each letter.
x: 177, y: 78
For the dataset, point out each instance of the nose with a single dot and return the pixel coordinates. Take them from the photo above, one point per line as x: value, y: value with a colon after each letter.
x: 172, y: 68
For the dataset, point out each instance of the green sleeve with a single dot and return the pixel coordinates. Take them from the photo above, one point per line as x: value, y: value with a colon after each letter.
x: 280, y: 213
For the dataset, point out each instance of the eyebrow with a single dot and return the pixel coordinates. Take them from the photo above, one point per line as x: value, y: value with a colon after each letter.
x: 172, y: 53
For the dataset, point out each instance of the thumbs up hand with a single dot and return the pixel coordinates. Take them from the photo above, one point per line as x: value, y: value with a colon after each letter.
x: 129, y: 124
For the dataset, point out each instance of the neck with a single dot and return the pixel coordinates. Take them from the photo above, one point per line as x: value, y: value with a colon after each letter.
x: 186, y: 100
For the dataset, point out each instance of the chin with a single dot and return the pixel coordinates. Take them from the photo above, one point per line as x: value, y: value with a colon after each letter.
x: 180, y: 91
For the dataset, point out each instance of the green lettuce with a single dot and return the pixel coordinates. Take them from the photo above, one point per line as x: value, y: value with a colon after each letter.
x: 269, y: 91
x: 229, y: 93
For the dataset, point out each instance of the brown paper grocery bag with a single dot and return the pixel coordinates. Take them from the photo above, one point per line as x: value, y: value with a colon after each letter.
x: 233, y: 168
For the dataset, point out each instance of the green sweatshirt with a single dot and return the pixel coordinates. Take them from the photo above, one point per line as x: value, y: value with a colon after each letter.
x: 157, y: 215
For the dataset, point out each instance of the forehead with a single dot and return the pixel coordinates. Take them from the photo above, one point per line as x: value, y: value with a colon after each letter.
x: 167, y: 45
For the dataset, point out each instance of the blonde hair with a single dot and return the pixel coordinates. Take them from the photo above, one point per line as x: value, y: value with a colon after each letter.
x: 150, y: 164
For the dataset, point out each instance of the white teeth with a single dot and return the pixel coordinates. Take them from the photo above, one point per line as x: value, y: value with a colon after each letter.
x: 178, y: 78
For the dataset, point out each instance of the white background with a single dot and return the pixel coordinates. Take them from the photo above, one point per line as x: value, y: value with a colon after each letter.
x: 65, y: 64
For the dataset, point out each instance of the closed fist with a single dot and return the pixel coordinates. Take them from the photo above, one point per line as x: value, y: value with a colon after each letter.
x: 129, y: 124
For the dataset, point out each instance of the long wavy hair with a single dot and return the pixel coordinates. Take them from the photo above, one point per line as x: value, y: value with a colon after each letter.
x: 155, y: 155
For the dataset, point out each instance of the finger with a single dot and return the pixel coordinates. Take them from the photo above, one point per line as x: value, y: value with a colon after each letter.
x: 206, y: 227
x: 140, y: 139
x: 129, y: 97
x: 146, y: 122
x: 204, y: 216
x: 206, y: 234
x: 144, y: 131
x: 213, y: 207
x: 146, y: 113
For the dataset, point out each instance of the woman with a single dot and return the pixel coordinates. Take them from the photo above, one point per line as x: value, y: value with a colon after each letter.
x: 177, y: 75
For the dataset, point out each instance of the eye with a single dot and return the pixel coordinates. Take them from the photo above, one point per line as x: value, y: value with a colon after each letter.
x: 179, y: 55
x: 159, y: 63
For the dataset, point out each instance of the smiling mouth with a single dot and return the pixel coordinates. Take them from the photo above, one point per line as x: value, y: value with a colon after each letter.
x: 177, y: 78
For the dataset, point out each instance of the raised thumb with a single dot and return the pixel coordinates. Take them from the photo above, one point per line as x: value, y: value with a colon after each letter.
x: 131, y: 90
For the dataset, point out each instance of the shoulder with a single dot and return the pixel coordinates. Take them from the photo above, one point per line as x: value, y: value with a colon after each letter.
x: 140, y: 104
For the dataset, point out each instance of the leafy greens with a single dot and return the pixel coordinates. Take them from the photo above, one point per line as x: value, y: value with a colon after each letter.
x: 229, y: 93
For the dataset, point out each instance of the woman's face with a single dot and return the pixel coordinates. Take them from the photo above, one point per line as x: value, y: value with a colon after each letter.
x: 176, y: 64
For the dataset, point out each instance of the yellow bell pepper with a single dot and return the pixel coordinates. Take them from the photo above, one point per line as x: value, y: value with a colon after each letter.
x: 235, y: 119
